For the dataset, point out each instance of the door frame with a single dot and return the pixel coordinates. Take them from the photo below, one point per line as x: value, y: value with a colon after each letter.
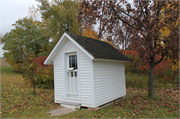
x: 66, y: 66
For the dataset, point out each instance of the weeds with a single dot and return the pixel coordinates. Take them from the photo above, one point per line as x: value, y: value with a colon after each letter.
x: 141, y: 81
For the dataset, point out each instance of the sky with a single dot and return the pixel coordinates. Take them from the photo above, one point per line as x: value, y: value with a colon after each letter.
x: 11, y: 11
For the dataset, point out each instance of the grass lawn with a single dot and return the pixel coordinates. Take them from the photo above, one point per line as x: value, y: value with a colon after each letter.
x: 18, y: 101
x: 136, y: 104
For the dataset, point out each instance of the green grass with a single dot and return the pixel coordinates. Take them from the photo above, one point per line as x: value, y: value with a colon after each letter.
x: 18, y: 101
x: 7, y: 70
x: 137, y: 104
x: 141, y: 81
x: 136, y: 80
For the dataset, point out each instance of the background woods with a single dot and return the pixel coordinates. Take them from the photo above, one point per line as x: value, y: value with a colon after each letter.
x: 145, y: 21
x: 145, y: 31
x: 36, y: 35
x: 55, y: 16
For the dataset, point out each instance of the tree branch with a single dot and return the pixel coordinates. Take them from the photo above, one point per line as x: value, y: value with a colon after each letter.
x: 156, y: 63
x: 158, y: 13
x: 172, y: 9
x: 123, y: 20
x: 163, y: 55
x: 120, y: 17
x: 143, y: 12
x: 133, y: 18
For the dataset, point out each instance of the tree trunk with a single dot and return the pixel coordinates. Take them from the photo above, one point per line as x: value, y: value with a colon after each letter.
x: 34, y: 87
x: 151, y: 92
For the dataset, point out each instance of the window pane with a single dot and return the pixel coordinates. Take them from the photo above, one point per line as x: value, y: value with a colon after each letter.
x: 70, y: 62
x: 71, y: 74
x: 73, y: 61
x: 75, y: 74
x: 73, y: 56
x: 76, y: 66
x: 76, y: 62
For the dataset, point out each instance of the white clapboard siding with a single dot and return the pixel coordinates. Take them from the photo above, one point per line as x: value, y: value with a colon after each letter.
x: 99, y: 81
x: 70, y: 47
x: 109, y: 81
x: 85, y: 78
x: 59, y: 79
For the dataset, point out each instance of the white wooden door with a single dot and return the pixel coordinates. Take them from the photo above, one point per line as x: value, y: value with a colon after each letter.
x: 72, y: 76
x: 72, y: 82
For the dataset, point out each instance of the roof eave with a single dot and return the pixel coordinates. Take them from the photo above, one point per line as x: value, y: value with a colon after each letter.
x: 80, y: 47
x: 48, y: 63
x: 97, y: 59
x: 49, y: 59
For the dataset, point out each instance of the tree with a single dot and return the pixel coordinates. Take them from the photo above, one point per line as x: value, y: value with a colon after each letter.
x: 122, y: 36
x: 165, y: 31
x: 30, y: 69
x: 89, y: 32
x: 144, y: 20
x: 26, y: 38
x: 55, y: 15
x: 35, y: 15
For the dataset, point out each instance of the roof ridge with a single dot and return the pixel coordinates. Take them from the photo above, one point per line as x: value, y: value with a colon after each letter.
x: 98, y: 49
x: 88, y: 37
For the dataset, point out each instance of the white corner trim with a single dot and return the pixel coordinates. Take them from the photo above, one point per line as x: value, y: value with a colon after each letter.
x: 93, y: 85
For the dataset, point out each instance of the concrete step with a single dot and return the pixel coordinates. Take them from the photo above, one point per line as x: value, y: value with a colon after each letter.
x: 70, y: 105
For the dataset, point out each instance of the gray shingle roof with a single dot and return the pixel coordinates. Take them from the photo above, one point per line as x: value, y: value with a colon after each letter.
x: 98, y: 49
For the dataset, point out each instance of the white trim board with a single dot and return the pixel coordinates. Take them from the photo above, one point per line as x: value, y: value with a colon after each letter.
x: 52, y: 54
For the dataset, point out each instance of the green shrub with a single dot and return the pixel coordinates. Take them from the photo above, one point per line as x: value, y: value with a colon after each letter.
x: 136, y: 80
x: 164, y: 73
x: 42, y: 74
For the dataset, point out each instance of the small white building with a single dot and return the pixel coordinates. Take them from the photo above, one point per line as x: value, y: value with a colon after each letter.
x: 87, y: 71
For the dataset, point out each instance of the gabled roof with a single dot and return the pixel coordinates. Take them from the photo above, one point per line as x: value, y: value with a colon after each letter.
x: 95, y: 49
x: 98, y: 49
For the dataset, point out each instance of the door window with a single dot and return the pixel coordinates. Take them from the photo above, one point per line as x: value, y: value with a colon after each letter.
x: 73, y: 61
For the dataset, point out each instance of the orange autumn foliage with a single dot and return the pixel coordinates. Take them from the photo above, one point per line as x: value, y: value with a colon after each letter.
x: 90, y: 32
x: 163, y: 69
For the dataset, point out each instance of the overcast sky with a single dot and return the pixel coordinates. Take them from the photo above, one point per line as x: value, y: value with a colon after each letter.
x: 12, y: 10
